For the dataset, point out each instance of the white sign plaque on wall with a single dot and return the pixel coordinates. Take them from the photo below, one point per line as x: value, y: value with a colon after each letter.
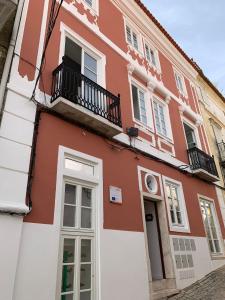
x: 115, y: 194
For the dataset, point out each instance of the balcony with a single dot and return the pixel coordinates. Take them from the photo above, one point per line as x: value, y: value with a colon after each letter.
x: 221, y: 148
x: 84, y: 101
x: 202, y: 164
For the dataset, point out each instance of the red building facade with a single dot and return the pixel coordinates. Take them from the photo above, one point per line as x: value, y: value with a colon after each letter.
x: 120, y: 174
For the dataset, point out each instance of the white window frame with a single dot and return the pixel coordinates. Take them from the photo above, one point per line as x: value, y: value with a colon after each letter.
x: 183, y: 90
x: 195, y: 129
x: 94, y: 181
x: 148, y: 105
x: 134, y: 30
x: 156, y: 56
x: 169, y: 135
x: 174, y: 227
x: 66, y: 32
x: 216, y: 222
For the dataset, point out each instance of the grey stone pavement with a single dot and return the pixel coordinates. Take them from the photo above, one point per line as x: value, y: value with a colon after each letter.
x: 210, y: 287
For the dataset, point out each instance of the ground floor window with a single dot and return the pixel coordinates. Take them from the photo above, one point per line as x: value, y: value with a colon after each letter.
x: 77, y: 258
x: 208, y: 215
x: 77, y: 268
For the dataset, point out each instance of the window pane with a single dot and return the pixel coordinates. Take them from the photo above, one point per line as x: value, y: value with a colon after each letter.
x: 190, y: 136
x: 135, y: 103
x: 85, y: 295
x: 89, y: 2
x: 70, y: 194
x: 79, y: 166
x: 67, y: 297
x: 147, y: 52
x: 69, y: 216
x: 217, y: 246
x: 85, y: 250
x: 128, y: 35
x: 67, y: 278
x: 90, y: 63
x: 153, y: 57
x: 68, y: 250
x: 91, y: 75
x: 86, y: 197
x: 85, y: 276
x: 172, y: 216
x: 135, y: 41
x: 86, y: 218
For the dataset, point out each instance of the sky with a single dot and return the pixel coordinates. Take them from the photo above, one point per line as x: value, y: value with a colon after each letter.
x: 198, y: 26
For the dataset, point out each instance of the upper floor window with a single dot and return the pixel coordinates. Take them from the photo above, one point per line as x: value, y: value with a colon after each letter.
x: 160, y: 118
x: 151, y: 55
x: 89, y: 2
x: 180, y: 83
x: 139, y: 105
x: 132, y: 37
x: 190, y: 136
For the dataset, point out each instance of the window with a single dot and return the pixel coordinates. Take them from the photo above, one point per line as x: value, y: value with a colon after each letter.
x: 80, y: 60
x: 159, y: 113
x: 176, y: 208
x: 132, y: 37
x: 150, y: 55
x: 139, y: 105
x: 180, y: 83
x: 190, y: 136
x: 174, y: 204
x: 77, y: 259
x: 208, y: 215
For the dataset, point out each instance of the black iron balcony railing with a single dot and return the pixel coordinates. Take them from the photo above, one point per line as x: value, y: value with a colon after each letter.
x: 221, y: 148
x: 201, y: 160
x: 78, y: 89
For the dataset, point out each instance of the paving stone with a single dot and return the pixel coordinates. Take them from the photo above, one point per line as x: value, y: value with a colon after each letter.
x: 210, y: 287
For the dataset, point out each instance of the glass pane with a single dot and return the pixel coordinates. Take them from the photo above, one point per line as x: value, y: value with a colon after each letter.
x: 79, y: 167
x: 86, y: 197
x: 211, y: 246
x: 68, y: 250
x: 128, y: 35
x: 67, y: 278
x: 179, y: 218
x: 85, y: 295
x: 70, y: 194
x: 89, y: 74
x: 135, y: 103
x: 85, y: 277
x: 67, y: 297
x: 89, y: 2
x: 69, y: 216
x: 85, y: 250
x: 90, y: 63
x: 86, y: 218
x: 172, y: 216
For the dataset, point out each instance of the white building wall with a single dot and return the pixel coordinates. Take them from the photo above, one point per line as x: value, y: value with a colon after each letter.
x: 202, y: 261
x: 123, y: 268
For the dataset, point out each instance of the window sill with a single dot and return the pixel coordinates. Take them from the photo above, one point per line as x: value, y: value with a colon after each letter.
x: 179, y: 229
x: 219, y: 256
x: 135, y: 50
x: 142, y: 127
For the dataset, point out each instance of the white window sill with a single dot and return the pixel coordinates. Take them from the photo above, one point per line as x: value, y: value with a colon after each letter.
x: 179, y: 229
x: 143, y: 127
x: 137, y: 51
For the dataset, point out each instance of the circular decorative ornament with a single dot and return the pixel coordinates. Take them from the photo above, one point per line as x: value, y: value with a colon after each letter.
x: 151, y: 183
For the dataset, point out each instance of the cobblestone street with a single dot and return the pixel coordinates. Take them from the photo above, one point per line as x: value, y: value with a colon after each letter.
x: 211, y: 287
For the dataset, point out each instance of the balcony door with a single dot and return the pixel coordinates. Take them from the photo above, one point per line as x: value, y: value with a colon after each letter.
x: 81, y: 62
x: 190, y: 136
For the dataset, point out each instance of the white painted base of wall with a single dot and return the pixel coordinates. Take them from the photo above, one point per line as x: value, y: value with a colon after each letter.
x: 203, y: 262
x: 123, y: 268
x: 10, y: 234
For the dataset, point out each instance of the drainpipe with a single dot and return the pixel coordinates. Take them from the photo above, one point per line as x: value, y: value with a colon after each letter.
x: 9, y: 56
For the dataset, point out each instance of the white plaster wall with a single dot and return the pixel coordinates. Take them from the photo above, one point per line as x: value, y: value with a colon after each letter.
x: 10, y: 233
x: 37, y: 268
x: 203, y: 262
x: 123, y: 267
x: 124, y: 274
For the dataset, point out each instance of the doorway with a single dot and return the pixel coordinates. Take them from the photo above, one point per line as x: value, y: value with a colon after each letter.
x: 154, y: 240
